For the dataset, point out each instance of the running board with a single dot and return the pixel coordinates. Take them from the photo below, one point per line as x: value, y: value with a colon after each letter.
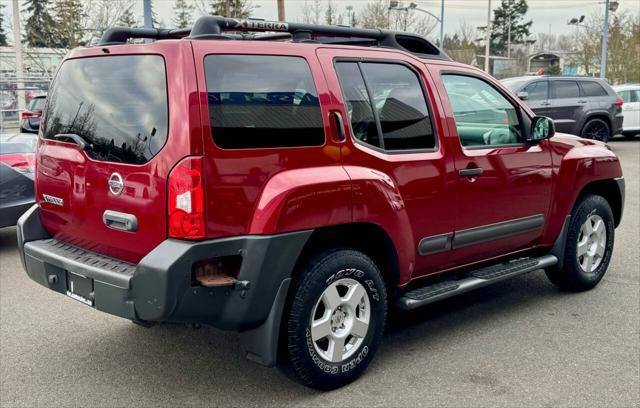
x: 473, y: 280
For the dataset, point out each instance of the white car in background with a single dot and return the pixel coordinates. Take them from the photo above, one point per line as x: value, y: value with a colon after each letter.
x: 630, y: 94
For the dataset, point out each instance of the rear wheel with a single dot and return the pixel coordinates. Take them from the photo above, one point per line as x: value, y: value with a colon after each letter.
x: 334, y: 319
x: 589, y: 245
x: 596, y: 129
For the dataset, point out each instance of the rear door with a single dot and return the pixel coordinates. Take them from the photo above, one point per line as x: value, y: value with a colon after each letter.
x: 108, y: 145
x: 567, y: 105
x: 396, y: 126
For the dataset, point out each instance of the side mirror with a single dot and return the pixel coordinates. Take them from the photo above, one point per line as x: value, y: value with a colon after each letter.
x: 542, y: 128
x: 523, y: 95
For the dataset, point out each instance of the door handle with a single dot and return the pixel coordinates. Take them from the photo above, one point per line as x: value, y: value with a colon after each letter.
x: 545, y: 103
x: 472, y: 172
x: 582, y: 101
x: 337, y: 117
x: 120, y: 221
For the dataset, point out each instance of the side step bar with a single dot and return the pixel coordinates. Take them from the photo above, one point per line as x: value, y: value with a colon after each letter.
x: 473, y: 280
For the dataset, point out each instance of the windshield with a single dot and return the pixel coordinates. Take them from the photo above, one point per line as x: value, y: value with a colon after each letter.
x: 117, y: 104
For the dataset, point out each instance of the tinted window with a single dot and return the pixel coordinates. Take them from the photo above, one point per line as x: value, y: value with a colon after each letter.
x: 591, y: 88
x: 483, y: 116
x: 537, y: 90
x: 262, y: 101
x: 358, y: 105
x: 566, y: 89
x: 116, y: 103
x: 395, y: 94
x: 400, y: 105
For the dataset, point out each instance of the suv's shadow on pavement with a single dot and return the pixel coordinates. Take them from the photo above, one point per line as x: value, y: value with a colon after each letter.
x: 181, y: 360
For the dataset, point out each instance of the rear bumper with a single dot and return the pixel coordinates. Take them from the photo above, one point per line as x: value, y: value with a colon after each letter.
x: 159, y: 288
x: 617, y: 124
x: 10, y: 212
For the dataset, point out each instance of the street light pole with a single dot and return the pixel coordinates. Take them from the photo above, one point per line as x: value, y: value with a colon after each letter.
x: 146, y: 9
x: 487, y: 40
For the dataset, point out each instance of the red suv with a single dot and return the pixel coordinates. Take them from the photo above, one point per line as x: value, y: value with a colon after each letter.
x: 295, y: 186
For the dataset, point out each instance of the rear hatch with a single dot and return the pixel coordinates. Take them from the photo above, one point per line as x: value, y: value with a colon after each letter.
x: 102, y: 162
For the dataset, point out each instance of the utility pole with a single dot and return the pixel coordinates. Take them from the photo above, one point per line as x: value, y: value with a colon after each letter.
x: 148, y: 18
x: 509, y: 33
x: 487, y: 46
x: 605, y: 41
x: 281, y: 10
x: 17, y: 44
x: 442, y: 24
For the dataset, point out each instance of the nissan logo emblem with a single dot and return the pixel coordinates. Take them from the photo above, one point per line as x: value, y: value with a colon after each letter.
x: 115, y: 184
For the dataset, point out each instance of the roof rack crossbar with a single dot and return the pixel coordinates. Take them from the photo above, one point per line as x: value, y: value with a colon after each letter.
x: 212, y: 27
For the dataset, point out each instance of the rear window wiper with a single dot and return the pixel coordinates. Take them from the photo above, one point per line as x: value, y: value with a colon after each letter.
x: 77, y: 139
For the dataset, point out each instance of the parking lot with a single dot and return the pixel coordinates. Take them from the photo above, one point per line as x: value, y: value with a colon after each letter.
x: 517, y: 343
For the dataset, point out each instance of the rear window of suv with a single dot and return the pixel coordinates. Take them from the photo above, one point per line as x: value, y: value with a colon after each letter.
x: 117, y: 104
x: 259, y: 101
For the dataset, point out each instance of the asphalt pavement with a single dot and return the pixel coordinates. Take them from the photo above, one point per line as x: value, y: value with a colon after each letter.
x: 517, y: 343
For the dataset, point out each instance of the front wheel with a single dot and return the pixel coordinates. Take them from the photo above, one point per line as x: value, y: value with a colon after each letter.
x: 589, y: 246
x: 334, y: 319
x: 596, y: 129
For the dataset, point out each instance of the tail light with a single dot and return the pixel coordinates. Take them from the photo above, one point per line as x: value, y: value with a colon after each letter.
x: 29, y: 114
x: 21, y: 162
x: 186, y: 200
x: 619, y: 102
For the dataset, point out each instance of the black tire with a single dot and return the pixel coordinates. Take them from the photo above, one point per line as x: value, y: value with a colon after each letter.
x: 299, y: 356
x: 596, y: 129
x: 573, y: 276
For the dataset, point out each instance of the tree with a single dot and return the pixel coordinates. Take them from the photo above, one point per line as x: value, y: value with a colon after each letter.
x: 183, y: 12
x: 330, y: 14
x: 312, y: 12
x: 68, y: 29
x: 39, y: 25
x: 509, y: 26
x: 127, y: 19
x: 461, y: 46
x: 375, y: 14
x: 3, y: 34
x: 231, y: 8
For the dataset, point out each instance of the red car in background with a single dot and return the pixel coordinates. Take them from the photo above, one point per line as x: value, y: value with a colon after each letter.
x: 30, y: 117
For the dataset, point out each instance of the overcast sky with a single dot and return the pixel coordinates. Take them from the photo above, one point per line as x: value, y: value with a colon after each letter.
x: 547, y: 15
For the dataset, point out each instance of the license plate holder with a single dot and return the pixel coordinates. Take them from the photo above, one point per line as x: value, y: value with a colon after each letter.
x: 80, y: 288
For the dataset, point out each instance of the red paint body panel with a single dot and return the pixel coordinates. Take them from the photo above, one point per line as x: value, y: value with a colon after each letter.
x: 268, y: 191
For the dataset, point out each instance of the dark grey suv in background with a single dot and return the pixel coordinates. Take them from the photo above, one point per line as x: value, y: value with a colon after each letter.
x: 582, y: 106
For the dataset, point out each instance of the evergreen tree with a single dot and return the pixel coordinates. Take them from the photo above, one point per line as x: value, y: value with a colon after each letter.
x: 183, y: 12
x: 231, y: 8
x: 510, y: 13
x: 68, y: 30
x: 127, y: 19
x: 39, y: 27
x: 3, y: 34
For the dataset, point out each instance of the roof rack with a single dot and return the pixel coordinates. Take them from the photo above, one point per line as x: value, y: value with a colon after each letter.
x: 215, y: 27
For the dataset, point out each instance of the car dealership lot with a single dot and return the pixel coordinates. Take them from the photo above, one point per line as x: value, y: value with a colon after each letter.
x: 520, y: 342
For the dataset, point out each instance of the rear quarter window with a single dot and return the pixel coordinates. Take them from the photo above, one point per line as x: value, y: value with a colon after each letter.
x: 591, y: 88
x: 258, y: 101
x: 118, y: 104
